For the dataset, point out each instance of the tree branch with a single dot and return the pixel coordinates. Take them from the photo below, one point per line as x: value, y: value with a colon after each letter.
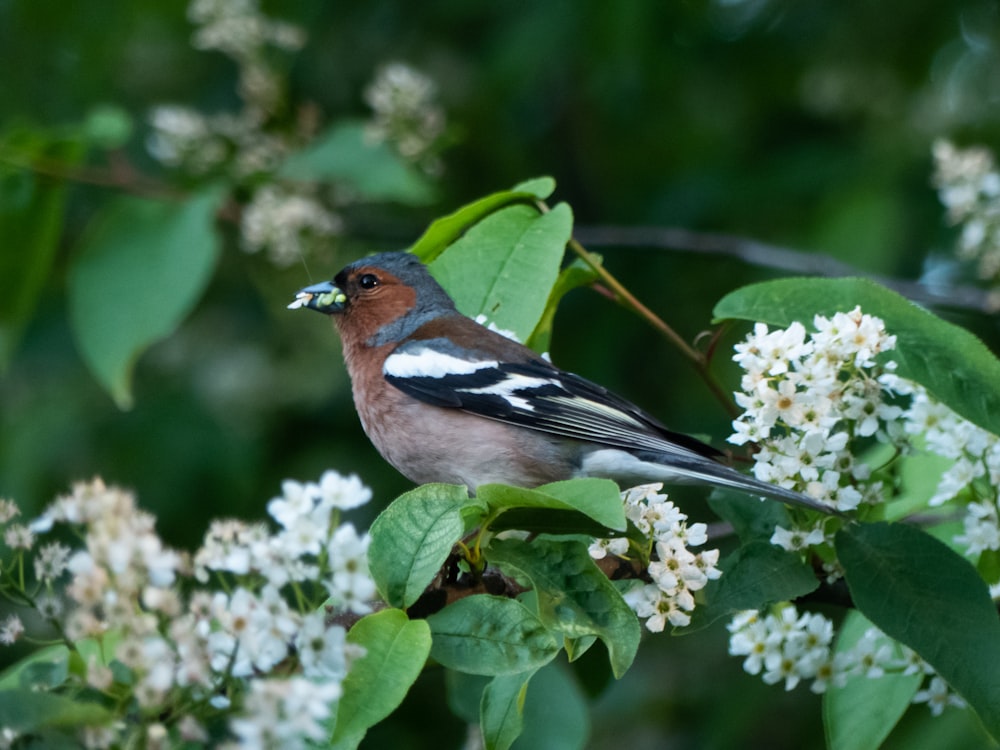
x: 756, y: 253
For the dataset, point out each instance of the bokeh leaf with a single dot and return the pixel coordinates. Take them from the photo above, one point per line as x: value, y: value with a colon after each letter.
x: 344, y: 154
x: 923, y: 594
x: 395, y: 651
x: 505, y: 266
x: 31, y: 219
x: 490, y: 635
x: 412, y: 538
x: 556, y: 715
x: 139, y: 271
x: 954, y: 365
x: 27, y: 711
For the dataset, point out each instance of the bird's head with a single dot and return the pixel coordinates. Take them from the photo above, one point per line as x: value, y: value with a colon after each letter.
x: 379, y: 299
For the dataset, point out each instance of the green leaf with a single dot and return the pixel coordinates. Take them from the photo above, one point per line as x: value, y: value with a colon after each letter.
x: 538, y: 188
x: 754, y: 576
x: 556, y: 716
x: 954, y: 365
x: 444, y: 231
x: 573, y: 276
x: 396, y: 649
x: 861, y: 714
x: 548, y: 521
x: 505, y: 266
x: 29, y: 711
x: 140, y: 270
x: 108, y: 126
x: 574, y: 596
x: 412, y: 538
x: 14, y: 676
x: 31, y: 217
x: 344, y: 154
x: 598, y: 499
x: 918, y: 591
x: 502, y: 709
x: 751, y: 519
x: 490, y: 635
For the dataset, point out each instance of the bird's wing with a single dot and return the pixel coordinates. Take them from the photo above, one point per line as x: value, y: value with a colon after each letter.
x: 533, y: 394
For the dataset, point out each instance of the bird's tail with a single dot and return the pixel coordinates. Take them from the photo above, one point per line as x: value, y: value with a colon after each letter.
x: 691, y: 468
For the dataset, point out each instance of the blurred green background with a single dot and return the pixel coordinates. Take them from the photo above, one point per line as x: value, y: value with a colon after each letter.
x: 806, y: 125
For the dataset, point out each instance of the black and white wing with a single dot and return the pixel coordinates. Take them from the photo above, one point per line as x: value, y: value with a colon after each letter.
x: 534, y: 394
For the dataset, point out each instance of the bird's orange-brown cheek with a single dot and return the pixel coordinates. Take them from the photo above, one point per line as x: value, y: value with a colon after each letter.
x: 370, y: 312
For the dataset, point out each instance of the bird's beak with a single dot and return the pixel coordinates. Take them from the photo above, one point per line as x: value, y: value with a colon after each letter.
x: 323, y: 297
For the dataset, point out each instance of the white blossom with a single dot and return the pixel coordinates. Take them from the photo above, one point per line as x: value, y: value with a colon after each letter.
x: 284, y: 222
x: 676, y: 571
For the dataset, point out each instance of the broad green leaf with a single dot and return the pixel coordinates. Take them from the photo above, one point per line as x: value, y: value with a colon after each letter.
x: 954, y: 365
x: 490, y: 635
x: 31, y: 216
x: 754, y: 576
x: 396, y: 649
x: 139, y: 271
x: 573, y: 276
x: 502, y: 709
x: 556, y: 715
x: 861, y: 714
x: 751, y: 519
x: 548, y: 521
x: 412, y: 538
x: 574, y: 597
x: 444, y: 231
x: 599, y: 499
x: 344, y: 154
x: 918, y: 591
x: 538, y: 188
x: 13, y: 676
x: 29, y: 711
x: 505, y: 266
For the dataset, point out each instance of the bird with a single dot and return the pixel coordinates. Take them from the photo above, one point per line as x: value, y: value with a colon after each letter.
x: 445, y: 399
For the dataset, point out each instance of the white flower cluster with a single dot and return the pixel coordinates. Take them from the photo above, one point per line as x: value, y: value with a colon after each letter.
x: 807, y: 397
x: 976, y: 464
x: 784, y: 646
x: 405, y: 112
x: 283, y: 713
x: 239, y: 30
x: 283, y: 222
x: 968, y: 184
x: 189, y: 649
x: 676, y: 572
x: 310, y: 530
x: 183, y: 138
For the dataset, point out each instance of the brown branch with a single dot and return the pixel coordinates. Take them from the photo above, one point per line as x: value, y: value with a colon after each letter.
x: 120, y: 175
x: 756, y: 253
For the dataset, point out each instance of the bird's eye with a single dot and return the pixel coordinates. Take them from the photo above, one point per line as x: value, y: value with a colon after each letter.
x: 368, y: 281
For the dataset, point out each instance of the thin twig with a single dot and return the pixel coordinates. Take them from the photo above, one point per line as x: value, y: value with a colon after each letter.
x: 120, y: 176
x: 961, y: 296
